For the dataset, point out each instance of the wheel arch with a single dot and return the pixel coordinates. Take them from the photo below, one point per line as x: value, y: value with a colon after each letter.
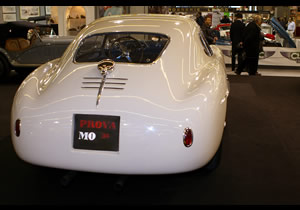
x: 5, y: 65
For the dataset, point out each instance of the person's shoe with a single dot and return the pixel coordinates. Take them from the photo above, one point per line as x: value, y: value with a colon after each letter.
x: 237, y: 72
x: 258, y: 74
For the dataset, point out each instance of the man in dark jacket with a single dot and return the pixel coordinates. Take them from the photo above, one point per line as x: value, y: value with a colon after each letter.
x: 225, y: 19
x: 199, y: 19
x: 252, y: 39
x: 236, y: 36
x: 207, y: 31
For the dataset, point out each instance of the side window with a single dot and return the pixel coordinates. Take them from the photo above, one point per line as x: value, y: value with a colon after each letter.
x: 126, y: 47
x: 207, y: 48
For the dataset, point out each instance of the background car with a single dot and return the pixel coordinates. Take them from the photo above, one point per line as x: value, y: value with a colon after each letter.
x: 269, y: 37
x: 223, y: 33
x: 287, y: 40
x: 132, y: 94
x: 280, y: 51
x: 25, y: 46
x: 268, y: 31
x: 224, y: 30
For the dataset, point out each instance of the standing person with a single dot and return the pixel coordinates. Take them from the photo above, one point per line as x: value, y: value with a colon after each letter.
x: 199, y: 19
x: 207, y: 31
x: 283, y: 22
x: 251, y: 43
x: 236, y: 37
x: 291, y: 27
x: 225, y: 19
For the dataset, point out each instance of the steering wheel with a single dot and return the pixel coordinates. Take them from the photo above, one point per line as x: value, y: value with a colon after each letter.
x: 126, y: 49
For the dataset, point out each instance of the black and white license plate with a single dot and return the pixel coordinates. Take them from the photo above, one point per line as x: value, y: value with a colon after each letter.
x: 96, y: 132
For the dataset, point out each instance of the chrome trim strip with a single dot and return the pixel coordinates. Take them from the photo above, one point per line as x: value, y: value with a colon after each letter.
x: 91, y: 82
x: 16, y: 64
x: 117, y: 88
x: 115, y: 83
x: 113, y: 78
x: 114, y: 88
x: 108, y: 83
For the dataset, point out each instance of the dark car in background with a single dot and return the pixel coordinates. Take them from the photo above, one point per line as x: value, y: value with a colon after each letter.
x: 26, y: 45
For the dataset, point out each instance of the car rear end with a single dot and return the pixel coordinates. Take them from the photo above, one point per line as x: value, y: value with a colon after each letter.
x: 142, y: 120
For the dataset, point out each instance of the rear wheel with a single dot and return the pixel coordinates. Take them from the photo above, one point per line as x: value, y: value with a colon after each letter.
x: 23, y: 72
x: 4, y: 67
x: 215, y: 161
x: 211, y: 165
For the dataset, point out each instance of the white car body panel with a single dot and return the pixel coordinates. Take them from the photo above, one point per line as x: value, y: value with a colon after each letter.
x: 184, y: 88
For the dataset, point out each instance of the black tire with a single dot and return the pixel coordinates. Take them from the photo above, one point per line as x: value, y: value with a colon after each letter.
x: 24, y: 72
x: 4, y: 67
x: 211, y: 165
x: 215, y: 161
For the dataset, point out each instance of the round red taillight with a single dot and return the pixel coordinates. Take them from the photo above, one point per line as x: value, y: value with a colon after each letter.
x: 18, y: 127
x: 188, y: 137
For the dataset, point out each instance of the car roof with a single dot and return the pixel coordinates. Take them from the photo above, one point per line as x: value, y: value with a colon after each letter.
x: 22, y: 24
x: 145, y: 17
x: 148, y: 23
x: 17, y: 28
x: 180, y: 29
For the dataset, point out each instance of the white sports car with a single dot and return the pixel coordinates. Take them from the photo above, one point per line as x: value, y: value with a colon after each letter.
x: 132, y: 94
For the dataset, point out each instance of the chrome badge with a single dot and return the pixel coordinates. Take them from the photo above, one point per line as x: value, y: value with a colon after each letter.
x: 105, y: 67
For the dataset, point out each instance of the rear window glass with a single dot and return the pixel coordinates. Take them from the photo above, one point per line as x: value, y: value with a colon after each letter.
x: 129, y: 47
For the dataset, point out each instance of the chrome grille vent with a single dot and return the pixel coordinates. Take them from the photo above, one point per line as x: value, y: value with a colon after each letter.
x: 110, y: 83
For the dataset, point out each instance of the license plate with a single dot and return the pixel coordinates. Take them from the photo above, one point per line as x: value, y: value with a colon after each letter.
x: 96, y: 132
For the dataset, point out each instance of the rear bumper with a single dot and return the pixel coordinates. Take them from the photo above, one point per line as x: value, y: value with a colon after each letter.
x: 151, y: 147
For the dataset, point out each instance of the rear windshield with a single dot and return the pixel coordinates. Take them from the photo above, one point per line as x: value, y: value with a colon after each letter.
x: 129, y: 47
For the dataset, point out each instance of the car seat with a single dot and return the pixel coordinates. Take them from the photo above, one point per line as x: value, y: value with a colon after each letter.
x: 16, y: 44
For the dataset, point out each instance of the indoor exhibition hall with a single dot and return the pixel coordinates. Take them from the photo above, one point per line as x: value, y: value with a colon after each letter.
x: 149, y: 105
